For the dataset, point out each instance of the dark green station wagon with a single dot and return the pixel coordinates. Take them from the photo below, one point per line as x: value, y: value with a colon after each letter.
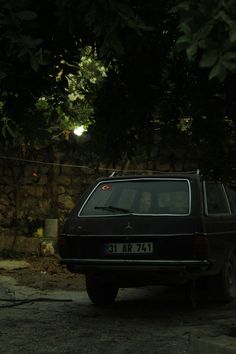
x: 152, y: 230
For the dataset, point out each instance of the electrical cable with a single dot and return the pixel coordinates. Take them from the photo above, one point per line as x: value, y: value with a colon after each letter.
x: 85, y: 167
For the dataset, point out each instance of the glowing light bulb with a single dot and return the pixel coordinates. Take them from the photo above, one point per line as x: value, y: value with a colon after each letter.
x: 79, y: 130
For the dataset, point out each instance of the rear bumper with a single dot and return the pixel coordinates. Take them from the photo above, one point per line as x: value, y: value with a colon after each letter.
x: 179, y: 266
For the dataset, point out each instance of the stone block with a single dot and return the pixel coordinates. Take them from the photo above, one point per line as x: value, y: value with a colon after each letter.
x: 65, y: 202
x: 64, y: 180
x: 76, y: 181
x: 6, y: 189
x: 44, y: 205
x: 34, y: 190
x: 6, y: 180
x: 66, y: 170
x: 43, y: 180
x: 4, y: 202
x: 21, y: 244
x: 28, y: 170
x: 61, y: 190
x: 7, y: 172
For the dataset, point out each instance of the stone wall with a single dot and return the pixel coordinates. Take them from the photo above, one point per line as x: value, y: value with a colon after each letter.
x: 30, y: 192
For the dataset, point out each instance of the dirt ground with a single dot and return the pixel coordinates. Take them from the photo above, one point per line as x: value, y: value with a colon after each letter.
x: 46, y: 273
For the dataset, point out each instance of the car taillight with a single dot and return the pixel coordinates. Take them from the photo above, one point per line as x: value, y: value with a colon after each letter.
x: 200, y: 247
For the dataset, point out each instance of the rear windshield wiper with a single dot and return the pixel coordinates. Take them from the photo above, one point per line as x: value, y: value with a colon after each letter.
x: 112, y: 209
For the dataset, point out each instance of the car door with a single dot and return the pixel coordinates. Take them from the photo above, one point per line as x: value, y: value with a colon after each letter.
x: 220, y: 222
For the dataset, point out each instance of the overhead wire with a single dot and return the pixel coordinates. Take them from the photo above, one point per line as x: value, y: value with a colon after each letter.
x: 88, y: 167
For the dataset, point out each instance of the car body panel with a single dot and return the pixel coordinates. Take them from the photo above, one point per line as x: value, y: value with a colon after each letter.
x: 183, y: 246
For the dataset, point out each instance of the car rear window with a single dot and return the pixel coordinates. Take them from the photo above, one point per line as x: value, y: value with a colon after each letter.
x: 146, y: 196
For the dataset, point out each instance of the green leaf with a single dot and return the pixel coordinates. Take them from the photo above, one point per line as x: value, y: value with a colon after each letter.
x: 184, y: 5
x: 184, y: 27
x: 124, y: 8
x: 230, y: 56
x: 215, y: 72
x: 191, y: 51
x: 34, y: 62
x: 218, y: 71
x: 232, y: 36
x: 222, y: 16
x: 10, y: 131
x: 209, y: 58
x: 205, y: 30
x: 183, y: 40
x: 4, y: 131
x: 2, y: 75
x: 222, y: 74
x: 26, y: 15
x: 202, y: 43
x: 229, y: 61
x: 229, y: 65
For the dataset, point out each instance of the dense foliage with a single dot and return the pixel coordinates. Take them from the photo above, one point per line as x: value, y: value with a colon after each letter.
x: 168, y: 85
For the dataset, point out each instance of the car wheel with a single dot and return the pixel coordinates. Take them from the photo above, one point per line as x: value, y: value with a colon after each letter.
x: 225, y: 281
x: 100, y: 293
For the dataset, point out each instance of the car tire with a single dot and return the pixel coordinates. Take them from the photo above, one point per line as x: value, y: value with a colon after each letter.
x: 225, y: 281
x: 99, y: 292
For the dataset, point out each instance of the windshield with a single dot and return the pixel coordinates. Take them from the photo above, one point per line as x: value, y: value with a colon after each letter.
x: 146, y: 196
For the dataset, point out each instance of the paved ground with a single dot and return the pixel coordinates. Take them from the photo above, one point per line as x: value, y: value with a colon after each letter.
x: 56, y: 319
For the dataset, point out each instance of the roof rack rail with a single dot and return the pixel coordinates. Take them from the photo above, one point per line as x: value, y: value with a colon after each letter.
x: 140, y: 172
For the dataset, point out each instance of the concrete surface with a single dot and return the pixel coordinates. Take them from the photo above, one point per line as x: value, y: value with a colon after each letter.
x: 211, y: 344
x: 13, y: 264
x: 141, y: 321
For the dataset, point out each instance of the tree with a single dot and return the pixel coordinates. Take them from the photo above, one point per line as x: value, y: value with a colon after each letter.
x: 166, y: 61
x: 40, y: 44
x: 208, y: 33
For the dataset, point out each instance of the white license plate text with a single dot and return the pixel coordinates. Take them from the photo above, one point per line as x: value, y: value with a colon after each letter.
x: 129, y: 248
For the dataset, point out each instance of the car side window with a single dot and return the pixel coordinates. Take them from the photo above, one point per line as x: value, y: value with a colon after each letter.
x: 231, y: 191
x: 216, y: 199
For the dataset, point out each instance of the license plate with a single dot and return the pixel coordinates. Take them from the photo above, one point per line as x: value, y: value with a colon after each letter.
x: 129, y: 248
